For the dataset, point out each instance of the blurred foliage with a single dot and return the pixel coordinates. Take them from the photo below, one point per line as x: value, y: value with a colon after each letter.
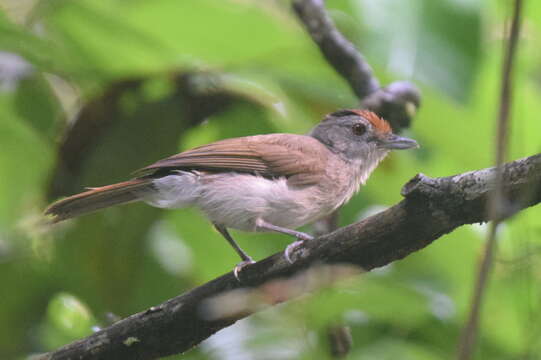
x: 124, y: 83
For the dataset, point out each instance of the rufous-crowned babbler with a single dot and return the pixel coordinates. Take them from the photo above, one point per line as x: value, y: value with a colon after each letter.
x: 273, y: 182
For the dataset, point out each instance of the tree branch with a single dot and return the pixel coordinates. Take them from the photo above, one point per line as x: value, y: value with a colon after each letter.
x: 396, y: 103
x: 431, y: 208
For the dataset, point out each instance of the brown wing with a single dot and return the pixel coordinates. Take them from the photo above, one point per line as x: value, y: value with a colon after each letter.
x: 298, y: 157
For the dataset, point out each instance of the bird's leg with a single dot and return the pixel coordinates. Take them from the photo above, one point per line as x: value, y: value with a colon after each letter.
x: 246, y: 259
x: 302, y: 237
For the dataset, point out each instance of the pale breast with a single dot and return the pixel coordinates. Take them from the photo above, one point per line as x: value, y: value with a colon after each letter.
x: 344, y: 183
x: 238, y: 200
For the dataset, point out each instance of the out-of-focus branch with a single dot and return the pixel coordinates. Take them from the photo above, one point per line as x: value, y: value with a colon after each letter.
x: 100, y: 116
x: 497, y: 206
x: 396, y: 102
x: 431, y: 208
x: 338, y: 51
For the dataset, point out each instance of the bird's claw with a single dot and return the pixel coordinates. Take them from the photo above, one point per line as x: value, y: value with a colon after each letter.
x: 238, y: 268
x: 289, y: 253
x: 294, y: 246
x: 290, y: 249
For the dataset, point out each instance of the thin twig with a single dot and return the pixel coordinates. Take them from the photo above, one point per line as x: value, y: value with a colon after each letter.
x: 497, y: 203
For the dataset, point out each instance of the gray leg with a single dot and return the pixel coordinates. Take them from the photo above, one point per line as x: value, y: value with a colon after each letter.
x: 222, y: 230
x: 246, y: 259
x: 262, y: 224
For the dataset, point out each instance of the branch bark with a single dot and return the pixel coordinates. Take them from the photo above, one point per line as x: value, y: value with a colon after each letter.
x: 430, y: 209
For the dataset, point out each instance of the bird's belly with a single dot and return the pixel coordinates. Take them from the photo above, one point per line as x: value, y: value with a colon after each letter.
x: 238, y: 200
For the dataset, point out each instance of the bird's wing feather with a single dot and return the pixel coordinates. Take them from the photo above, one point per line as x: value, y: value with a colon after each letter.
x: 299, y: 158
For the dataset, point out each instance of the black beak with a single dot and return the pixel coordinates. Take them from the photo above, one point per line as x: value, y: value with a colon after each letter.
x: 395, y: 142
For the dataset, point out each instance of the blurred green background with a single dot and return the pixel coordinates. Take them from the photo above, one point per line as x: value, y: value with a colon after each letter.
x: 92, y: 90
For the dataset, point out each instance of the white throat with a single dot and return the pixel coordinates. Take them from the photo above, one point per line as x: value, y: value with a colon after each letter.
x: 362, y: 168
x: 368, y: 165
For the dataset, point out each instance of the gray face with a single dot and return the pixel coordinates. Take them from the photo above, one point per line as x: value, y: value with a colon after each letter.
x: 354, y: 137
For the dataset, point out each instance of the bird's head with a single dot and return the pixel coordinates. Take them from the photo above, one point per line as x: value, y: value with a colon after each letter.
x: 359, y: 135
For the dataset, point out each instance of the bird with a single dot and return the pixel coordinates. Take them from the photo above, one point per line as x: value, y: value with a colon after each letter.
x: 261, y: 183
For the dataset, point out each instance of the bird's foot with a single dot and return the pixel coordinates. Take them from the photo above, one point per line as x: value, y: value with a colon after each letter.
x: 240, y: 266
x: 292, y: 249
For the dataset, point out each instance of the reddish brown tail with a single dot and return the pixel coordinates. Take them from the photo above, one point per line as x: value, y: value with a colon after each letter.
x: 97, y: 198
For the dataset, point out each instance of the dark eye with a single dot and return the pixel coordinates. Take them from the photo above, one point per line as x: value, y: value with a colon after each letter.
x: 358, y: 129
